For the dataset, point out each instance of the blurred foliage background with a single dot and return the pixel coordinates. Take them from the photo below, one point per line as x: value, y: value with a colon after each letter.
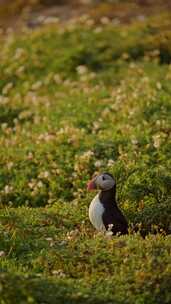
x: 12, y: 11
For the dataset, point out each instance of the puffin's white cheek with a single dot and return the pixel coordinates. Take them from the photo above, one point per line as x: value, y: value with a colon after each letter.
x: 107, y: 184
x: 102, y: 184
x: 99, y: 182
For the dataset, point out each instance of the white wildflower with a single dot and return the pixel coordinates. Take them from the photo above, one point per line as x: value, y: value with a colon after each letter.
x: 8, y: 189
x: 110, y: 163
x: 7, y: 88
x: 116, y: 21
x: 31, y: 184
x: 141, y: 17
x: 98, y: 30
x: 134, y: 141
x: 20, y: 70
x: 81, y: 69
x: 51, y: 19
x: 105, y: 20
x: 96, y: 126
x: 109, y: 233
x: 105, y: 112
x: 10, y: 165
x: 4, y: 100
x: 58, y: 273
x: 37, y: 85
x: 110, y: 226
x: 98, y: 164
x: 57, y: 79
x: 4, y: 126
x: 30, y: 156
x: 49, y: 239
x: 156, y: 141
x: 158, y: 85
x: 88, y: 154
x: 44, y: 174
x: 39, y: 184
x: 2, y: 253
x: 89, y: 22
x: 19, y: 53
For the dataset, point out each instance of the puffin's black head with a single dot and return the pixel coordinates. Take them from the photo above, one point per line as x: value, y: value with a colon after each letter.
x: 104, y: 181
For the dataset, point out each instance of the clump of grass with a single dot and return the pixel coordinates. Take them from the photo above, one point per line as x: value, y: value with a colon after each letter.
x: 51, y: 254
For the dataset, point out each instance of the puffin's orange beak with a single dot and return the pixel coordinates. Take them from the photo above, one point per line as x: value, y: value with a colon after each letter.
x: 91, y: 185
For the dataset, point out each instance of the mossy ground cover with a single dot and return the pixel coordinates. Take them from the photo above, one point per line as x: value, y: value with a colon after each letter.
x: 75, y: 99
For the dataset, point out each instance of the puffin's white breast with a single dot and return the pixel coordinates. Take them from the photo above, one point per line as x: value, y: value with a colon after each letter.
x: 96, y: 210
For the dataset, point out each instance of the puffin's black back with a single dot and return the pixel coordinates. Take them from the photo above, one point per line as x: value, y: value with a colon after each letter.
x: 112, y: 214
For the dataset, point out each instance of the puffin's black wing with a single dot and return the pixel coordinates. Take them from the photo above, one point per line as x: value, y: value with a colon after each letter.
x: 115, y: 221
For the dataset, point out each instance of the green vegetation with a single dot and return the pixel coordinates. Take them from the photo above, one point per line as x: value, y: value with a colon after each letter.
x: 75, y: 99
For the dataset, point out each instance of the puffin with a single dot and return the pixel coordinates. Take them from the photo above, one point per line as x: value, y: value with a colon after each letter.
x: 104, y: 213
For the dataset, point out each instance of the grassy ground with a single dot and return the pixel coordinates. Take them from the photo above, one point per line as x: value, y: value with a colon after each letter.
x: 77, y: 99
